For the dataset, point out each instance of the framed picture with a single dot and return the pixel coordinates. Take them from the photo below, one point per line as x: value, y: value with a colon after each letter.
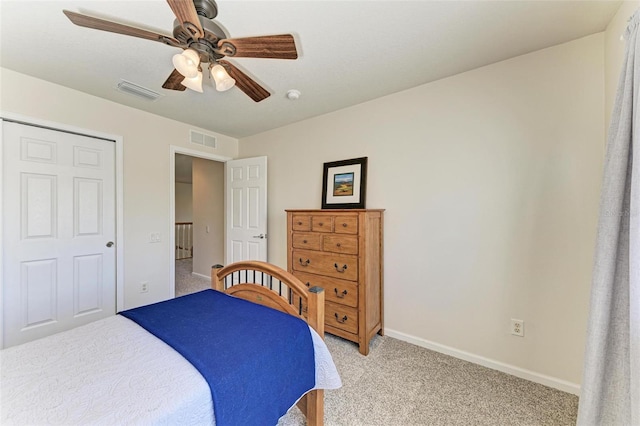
x: 344, y: 184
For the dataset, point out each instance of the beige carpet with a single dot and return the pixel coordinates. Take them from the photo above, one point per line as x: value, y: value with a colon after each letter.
x: 402, y: 384
x: 186, y: 282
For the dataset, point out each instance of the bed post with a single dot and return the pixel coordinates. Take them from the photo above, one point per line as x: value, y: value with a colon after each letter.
x: 315, y: 314
x: 314, y: 407
x: 217, y: 283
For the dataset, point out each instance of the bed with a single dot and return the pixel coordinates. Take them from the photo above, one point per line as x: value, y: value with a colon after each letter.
x: 117, y: 371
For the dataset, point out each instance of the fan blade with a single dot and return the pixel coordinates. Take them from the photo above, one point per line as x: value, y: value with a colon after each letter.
x: 186, y: 13
x: 114, y: 27
x: 245, y: 83
x: 174, y: 82
x: 276, y: 47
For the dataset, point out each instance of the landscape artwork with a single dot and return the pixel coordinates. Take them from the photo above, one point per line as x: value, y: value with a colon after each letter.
x: 343, y: 184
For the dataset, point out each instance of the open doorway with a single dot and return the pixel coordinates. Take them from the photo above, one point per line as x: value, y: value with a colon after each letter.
x: 199, y: 221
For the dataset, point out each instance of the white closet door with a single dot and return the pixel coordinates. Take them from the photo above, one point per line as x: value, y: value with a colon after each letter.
x: 59, y: 231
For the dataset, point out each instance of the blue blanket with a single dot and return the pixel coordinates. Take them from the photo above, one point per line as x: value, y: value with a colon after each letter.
x: 258, y: 361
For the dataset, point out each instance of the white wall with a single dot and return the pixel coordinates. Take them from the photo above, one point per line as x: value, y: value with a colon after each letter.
x: 184, y: 202
x: 490, y: 180
x: 208, y: 211
x: 147, y: 138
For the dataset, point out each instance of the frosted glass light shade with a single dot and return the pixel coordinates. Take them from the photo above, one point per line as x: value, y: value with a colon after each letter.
x: 187, y: 63
x: 222, y: 79
x: 194, y: 83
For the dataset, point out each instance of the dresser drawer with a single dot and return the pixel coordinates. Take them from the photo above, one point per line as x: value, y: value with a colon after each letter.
x: 335, y: 265
x: 301, y: 223
x: 322, y: 223
x: 342, y: 317
x: 340, y: 244
x: 345, y: 225
x: 335, y: 290
x: 306, y: 241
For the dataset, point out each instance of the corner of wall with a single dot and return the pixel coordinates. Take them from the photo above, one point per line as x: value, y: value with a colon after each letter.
x: 614, y: 49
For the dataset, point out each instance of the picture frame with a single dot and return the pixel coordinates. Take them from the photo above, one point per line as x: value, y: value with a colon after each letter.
x: 344, y: 184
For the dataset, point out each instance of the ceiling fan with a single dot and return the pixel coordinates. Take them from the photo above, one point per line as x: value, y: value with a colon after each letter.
x: 203, y: 42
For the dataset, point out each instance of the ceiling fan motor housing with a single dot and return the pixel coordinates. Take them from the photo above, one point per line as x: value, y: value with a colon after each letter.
x: 206, y: 8
x: 206, y: 46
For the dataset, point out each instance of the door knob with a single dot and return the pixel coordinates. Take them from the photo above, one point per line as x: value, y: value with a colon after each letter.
x: 110, y: 243
x: 261, y: 236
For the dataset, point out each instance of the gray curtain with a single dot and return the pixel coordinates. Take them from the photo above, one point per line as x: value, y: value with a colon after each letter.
x: 610, y: 391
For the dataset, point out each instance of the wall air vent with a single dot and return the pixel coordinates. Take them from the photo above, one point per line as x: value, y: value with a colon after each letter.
x: 137, y: 90
x: 203, y: 139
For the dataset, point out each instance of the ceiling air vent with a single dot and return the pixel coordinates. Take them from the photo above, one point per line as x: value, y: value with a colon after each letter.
x: 136, y: 90
x: 202, y: 139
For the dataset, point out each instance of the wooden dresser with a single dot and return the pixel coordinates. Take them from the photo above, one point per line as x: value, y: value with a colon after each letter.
x: 341, y: 251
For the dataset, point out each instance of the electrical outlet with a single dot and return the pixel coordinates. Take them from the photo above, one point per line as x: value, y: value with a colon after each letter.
x: 517, y: 327
x: 144, y: 287
x: 154, y: 237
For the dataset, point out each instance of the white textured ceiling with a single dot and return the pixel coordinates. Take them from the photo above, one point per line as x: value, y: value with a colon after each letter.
x: 349, y: 51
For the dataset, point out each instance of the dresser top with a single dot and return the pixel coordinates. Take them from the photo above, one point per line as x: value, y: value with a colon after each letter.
x: 333, y: 210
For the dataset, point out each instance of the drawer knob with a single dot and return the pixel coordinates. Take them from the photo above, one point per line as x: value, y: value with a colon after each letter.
x: 308, y: 284
x: 344, y: 225
x: 320, y: 224
x: 304, y: 241
x: 299, y: 223
x: 340, y: 295
x: 339, y: 269
x: 303, y: 262
x: 339, y: 245
x: 341, y: 320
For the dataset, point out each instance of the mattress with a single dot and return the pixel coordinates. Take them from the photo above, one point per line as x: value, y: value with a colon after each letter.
x: 112, y: 371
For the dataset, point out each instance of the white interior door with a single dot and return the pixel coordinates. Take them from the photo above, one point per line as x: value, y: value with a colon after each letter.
x: 246, y: 209
x: 59, y: 231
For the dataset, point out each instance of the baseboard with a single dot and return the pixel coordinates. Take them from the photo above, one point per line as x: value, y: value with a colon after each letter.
x: 200, y: 275
x: 552, y: 382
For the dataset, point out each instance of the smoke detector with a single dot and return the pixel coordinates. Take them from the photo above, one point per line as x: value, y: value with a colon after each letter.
x: 293, y: 95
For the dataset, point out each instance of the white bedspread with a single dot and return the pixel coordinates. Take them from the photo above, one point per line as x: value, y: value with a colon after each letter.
x: 112, y: 372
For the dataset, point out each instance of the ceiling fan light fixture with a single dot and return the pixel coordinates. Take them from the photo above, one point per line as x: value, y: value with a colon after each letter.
x: 187, y: 63
x: 194, y: 83
x: 222, y: 78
